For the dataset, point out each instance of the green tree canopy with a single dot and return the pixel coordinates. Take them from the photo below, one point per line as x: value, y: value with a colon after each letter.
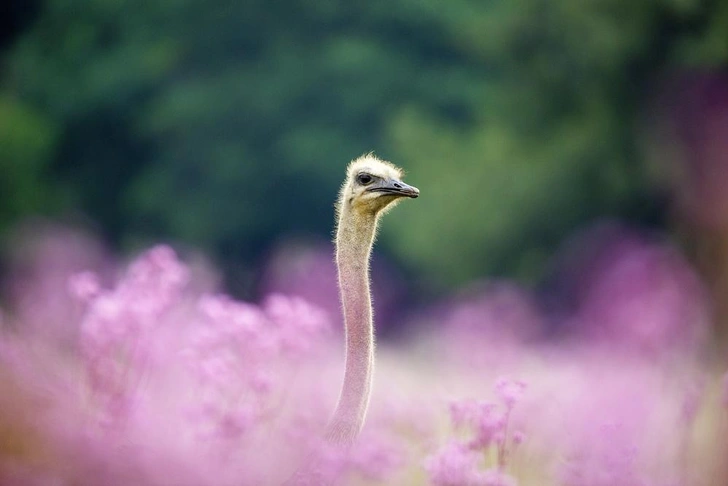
x: 227, y: 124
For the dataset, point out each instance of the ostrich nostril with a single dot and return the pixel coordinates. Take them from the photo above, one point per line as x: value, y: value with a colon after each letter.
x: 397, y: 185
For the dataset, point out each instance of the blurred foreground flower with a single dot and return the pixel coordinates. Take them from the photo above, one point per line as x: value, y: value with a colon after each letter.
x: 154, y: 382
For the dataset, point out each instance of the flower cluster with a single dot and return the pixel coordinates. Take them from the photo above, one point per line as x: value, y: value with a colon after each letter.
x: 153, y: 379
x: 218, y: 370
x: 116, y: 327
x: 490, y: 443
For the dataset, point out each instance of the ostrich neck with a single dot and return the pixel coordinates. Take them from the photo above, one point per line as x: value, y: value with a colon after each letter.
x: 354, y: 240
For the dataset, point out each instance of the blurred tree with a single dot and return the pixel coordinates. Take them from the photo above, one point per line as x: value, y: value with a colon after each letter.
x: 227, y: 124
x: 26, y: 141
x: 14, y: 18
x: 553, y: 94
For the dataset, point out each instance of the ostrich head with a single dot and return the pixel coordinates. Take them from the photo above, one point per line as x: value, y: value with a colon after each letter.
x: 373, y: 185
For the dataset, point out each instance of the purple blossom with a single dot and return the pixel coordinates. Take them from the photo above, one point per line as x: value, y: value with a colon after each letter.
x: 298, y: 321
x: 486, y: 326
x: 464, y: 412
x: 609, y: 462
x: 633, y: 295
x: 495, y: 477
x: 84, y: 286
x: 453, y: 465
x: 518, y: 437
x: 376, y: 457
x: 489, y: 423
x: 186, y: 387
x: 510, y: 391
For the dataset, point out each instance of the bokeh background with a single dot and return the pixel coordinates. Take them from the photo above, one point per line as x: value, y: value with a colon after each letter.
x: 572, y: 234
x: 225, y: 126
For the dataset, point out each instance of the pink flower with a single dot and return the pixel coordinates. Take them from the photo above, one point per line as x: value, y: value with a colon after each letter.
x: 198, y: 390
x: 490, y: 422
x: 510, y: 391
x: 300, y: 323
x: 636, y: 295
x: 495, y: 477
x: 84, y: 286
x: 376, y: 457
x: 518, y: 437
x: 233, y: 423
x: 611, y: 459
x: 693, y: 401
x: 453, y: 465
x: 464, y: 412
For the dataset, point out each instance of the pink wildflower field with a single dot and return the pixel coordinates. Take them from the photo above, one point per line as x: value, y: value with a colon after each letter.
x: 145, y: 372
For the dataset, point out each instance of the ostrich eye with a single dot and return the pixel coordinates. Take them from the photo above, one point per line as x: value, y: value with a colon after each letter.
x: 364, y: 179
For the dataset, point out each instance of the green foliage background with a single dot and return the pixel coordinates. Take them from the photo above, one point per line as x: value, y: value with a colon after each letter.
x: 227, y: 124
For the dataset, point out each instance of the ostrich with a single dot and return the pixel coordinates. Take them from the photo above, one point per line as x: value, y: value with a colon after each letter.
x: 371, y: 188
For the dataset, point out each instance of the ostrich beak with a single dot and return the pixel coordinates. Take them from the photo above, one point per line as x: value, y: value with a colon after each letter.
x: 396, y: 187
